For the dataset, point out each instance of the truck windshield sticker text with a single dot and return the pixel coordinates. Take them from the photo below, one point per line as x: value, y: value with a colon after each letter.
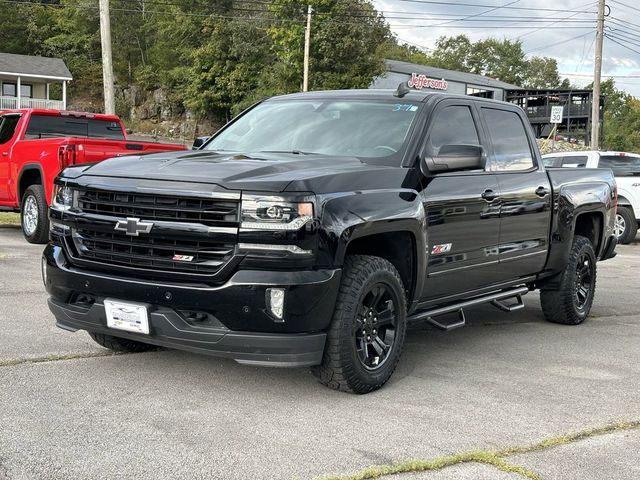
x: 405, y: 107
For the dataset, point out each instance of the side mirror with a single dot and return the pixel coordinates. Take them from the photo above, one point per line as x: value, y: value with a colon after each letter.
x: 198, y: 142
x: 128, y: 131
x: 454, y: 157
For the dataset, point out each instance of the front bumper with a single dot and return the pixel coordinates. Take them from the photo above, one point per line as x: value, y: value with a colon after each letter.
x: 237, y: 323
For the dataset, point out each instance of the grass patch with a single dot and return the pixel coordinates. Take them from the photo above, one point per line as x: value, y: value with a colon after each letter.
x: 9, y: 218
x: 493, y: 458
x: 412, y: 466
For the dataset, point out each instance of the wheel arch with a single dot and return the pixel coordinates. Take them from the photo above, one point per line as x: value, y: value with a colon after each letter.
x: 398, y: 247
x: 31, y: 174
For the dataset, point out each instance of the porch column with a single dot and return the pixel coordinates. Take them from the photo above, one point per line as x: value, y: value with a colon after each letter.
x: 64, y: 95
x: 18, y: 92
x: 47, y: 90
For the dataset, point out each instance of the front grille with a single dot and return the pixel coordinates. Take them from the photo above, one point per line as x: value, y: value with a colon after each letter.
x: 190, y: 235
x: 152, y: 252
x: 210, y: 212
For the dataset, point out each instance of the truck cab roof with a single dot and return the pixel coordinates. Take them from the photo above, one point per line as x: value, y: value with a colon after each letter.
x: 62, y: 113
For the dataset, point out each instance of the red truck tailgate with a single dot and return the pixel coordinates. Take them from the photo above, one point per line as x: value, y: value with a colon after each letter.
x: 95, y: 150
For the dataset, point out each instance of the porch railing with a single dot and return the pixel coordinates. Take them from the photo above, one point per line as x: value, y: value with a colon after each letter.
x: 7, y: 103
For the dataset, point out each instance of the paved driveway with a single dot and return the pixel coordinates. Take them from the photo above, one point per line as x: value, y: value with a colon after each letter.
x: 70, y: 410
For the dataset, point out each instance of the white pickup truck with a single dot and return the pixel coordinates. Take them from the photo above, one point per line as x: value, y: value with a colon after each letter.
x: 626, y: 169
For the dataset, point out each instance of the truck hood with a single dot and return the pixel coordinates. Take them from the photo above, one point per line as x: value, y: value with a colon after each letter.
x: 258, y: 172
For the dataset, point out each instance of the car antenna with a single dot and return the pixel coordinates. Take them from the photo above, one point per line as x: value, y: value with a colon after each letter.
x: 402, y: 90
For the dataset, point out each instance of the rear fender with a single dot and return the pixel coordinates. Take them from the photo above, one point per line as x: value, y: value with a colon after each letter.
x: 571, y: 202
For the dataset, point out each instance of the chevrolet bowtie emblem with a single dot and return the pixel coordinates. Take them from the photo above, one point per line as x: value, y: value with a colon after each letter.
x: 133, y: 226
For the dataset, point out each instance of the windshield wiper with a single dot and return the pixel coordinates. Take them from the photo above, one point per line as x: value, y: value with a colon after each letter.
x: 293, y: 152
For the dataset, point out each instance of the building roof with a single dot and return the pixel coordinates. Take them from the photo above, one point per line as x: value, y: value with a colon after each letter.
x: 450, y: 75
x: 29, y: 66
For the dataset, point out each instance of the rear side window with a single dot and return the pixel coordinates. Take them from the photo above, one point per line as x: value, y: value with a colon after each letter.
x: 550, y: 161
x: 619, y: 162
x: 8, y: 126
x: 453, y: 125
x: 102, y: 129
x: 48, y: 126
x: 510, y: 142
x: 574, y: 161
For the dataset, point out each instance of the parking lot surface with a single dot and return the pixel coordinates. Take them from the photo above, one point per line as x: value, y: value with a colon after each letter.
x: 71, y: 410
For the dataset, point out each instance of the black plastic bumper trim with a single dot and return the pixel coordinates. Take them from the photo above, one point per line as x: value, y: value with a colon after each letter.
x: 168, y: 329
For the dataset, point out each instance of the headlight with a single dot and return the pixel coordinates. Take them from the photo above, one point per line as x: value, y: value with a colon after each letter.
x: 62, y: 198
x: 273, y: 213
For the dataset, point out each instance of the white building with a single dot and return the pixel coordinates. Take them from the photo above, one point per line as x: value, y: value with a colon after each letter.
x: 25, y: 81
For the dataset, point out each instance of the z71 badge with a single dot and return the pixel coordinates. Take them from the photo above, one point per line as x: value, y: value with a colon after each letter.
x: 183, y: 258
x: 440, y: 249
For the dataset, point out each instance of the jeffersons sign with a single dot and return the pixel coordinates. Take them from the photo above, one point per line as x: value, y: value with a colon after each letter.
x: 422, y: 81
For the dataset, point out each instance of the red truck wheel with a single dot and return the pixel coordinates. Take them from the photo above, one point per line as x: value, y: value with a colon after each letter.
x: 33, y: 215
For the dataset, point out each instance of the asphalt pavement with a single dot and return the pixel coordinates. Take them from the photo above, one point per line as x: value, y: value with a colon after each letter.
x: 479, y: 399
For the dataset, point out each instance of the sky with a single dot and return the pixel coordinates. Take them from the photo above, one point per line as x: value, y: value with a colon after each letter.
x: 562, y: 29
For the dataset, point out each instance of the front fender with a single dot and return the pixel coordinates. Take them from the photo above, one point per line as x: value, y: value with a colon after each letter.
x: 346, y: 218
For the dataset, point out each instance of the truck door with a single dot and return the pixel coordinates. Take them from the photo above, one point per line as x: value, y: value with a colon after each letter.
x: 525, y: 191
x: 8, y: 124
x: 462, y: 209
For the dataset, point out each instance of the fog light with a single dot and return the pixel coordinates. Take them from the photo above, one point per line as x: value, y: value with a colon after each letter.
x: 275, y: 302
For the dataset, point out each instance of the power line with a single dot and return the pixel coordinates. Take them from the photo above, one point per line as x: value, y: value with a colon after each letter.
x: 622, y: 44
x: 625, y: 5
x: 558, y: 43
x: 481, y: 5
x: 555, y: 21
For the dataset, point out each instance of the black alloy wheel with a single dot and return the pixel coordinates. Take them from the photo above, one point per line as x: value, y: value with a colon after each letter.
x: 375, y: 328
x: 583, y: 290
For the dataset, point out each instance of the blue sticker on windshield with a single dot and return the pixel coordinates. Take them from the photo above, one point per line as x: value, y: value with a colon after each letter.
x: 405, y: 107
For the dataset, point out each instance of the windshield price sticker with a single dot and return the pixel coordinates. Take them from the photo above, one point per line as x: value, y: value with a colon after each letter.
x: 405, y: 107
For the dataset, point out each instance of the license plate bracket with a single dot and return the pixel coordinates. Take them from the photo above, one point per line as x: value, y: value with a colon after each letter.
x: 127, y: 316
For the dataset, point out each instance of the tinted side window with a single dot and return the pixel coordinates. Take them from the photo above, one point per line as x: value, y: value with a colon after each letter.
x: 510, y: 142
x: 615, y: 161
x: 453, y: 125
x: 46, y: 126
x: 102, y: 129
x: 8, y: 126
x: 574, y: 161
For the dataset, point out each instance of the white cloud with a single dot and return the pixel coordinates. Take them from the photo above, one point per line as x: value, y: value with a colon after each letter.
x: 574, y: 55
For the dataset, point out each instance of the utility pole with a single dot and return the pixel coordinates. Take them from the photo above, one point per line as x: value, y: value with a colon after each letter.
x: 597, y: 74
x: 107, y: 61
x: 307, y: 47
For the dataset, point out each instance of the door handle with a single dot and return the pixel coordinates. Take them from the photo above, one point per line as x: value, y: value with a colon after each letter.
x: 542, y: 191
x: 489, y: 195
x: 5, y: 154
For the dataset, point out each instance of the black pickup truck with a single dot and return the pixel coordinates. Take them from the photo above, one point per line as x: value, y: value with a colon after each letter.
x: 313, y: 227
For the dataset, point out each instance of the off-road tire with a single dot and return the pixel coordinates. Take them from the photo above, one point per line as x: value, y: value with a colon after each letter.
x: 559, y: 303
x: 631, y: 225
x: 118, y: 344
x: 340, y: 368
x: 41, y: 232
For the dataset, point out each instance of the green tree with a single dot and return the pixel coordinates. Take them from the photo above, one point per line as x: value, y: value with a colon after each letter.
x: 452, y: 53
x: 541, y: 72
x: 227, y: 68
x: 501, y: 59
x: 346, y: 36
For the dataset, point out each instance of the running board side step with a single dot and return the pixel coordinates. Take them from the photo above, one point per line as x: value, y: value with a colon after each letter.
x: 495, y: 299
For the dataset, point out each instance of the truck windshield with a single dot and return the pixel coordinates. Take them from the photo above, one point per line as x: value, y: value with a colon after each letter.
x: 48, y: 126
x: 369, y: 129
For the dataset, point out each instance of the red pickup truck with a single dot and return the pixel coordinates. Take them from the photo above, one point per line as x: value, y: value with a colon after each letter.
x: 35, y: 145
